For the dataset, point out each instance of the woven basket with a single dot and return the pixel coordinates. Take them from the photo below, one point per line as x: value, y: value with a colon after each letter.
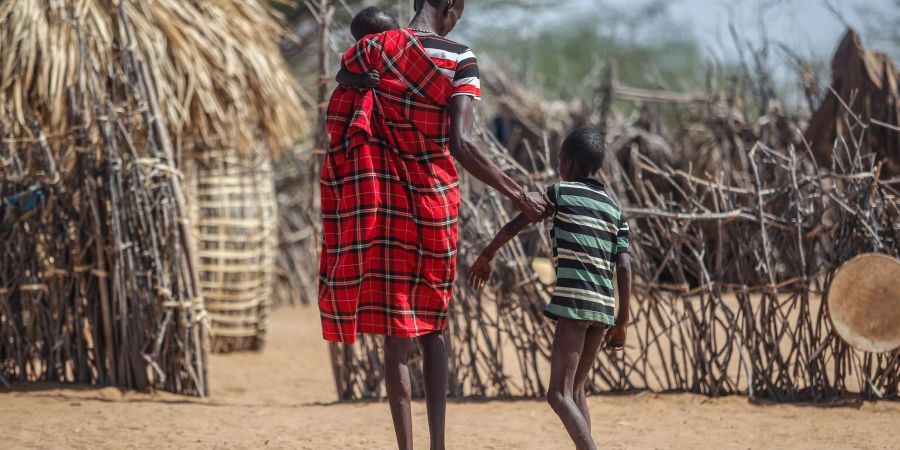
x: 233, y: 209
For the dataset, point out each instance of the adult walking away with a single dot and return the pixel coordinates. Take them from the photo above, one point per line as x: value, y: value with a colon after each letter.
x: 390, y: 200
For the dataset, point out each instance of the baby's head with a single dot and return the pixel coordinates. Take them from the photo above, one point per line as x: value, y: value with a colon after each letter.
x: 582, y: 153
x: 372, y: 20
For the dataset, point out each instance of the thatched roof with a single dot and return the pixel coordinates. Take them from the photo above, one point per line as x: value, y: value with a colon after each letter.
x: 216, y: 65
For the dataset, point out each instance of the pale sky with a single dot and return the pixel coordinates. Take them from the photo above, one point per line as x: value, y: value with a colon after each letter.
x: 807, y: 26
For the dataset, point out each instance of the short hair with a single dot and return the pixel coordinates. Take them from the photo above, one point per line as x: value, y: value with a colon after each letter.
x: 372, y: 20
x: 587, y: 148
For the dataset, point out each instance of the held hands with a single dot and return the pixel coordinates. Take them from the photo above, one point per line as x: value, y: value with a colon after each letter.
x: 480, y: 272
x: 615, y: 338
x: 532, y: 204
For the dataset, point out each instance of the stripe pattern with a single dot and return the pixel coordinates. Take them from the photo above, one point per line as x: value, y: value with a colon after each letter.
x: 456, y: 61
x: 389, y: 196
x: 589, y: 230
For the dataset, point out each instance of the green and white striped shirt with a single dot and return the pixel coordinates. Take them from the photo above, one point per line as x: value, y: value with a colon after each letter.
x: 589, y: 230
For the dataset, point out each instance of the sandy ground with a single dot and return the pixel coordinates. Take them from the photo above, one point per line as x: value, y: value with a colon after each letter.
x: 284, y: 398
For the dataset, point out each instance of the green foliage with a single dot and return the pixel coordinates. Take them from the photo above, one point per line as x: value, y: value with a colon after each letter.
x: 558, y: 56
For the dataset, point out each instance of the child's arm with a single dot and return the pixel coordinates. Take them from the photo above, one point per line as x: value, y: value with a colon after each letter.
x: 364, y: 80
x: 616, y: 339
x: 481, y: 270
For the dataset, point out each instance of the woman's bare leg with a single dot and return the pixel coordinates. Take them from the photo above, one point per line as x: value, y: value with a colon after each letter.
x: 399, y: 391
x: 593, y: 342
x: 568, y: 343
x: 435, y: 367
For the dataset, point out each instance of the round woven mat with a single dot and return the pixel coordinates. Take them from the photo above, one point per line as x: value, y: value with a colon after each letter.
x: 864, y: 302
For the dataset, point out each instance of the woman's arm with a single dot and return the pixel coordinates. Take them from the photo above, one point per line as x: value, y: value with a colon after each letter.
x: 481, y: 270
x: 462, y: 148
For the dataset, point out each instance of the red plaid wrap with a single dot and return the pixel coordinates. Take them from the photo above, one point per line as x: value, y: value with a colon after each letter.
x: 390, y: 196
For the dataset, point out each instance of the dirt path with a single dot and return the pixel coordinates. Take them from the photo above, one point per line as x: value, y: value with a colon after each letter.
x: 283, y: 398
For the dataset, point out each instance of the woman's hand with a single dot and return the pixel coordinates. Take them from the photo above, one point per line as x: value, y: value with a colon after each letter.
x: 480, y: 272
x: 533, y: 205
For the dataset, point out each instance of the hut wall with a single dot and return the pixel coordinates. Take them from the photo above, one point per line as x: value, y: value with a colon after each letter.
x: 98, y: 103
x: 97, y: 281
x: 233, y: 208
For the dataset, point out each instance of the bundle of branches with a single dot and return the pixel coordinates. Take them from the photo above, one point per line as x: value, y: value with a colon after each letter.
x: 99, y: 285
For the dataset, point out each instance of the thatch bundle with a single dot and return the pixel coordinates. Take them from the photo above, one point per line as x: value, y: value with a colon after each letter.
x: 216, y: 65
x: 100, y: 102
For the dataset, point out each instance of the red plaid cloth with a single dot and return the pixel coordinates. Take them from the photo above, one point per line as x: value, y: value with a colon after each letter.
x: 390, y: 196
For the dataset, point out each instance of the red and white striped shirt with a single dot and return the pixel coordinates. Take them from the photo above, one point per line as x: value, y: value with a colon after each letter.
x: 456, y: 61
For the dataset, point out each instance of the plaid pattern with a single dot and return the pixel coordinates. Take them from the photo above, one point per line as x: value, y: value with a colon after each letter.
x: 390, y: 196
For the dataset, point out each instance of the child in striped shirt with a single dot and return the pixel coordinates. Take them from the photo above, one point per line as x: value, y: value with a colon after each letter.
x: 590, y: 239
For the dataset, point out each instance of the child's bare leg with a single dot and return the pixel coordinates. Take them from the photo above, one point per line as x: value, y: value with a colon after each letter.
x: 434, y: 352
x: 568, y: 343
x: 399, y: 391
x: 593, y: 342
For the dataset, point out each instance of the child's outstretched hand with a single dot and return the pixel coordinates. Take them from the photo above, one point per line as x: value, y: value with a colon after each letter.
x: 480, y: 272
x: 615, y: 338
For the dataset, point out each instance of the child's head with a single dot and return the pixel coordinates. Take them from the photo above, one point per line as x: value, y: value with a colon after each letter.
x: 372, y: 20
x: 582, y: 153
